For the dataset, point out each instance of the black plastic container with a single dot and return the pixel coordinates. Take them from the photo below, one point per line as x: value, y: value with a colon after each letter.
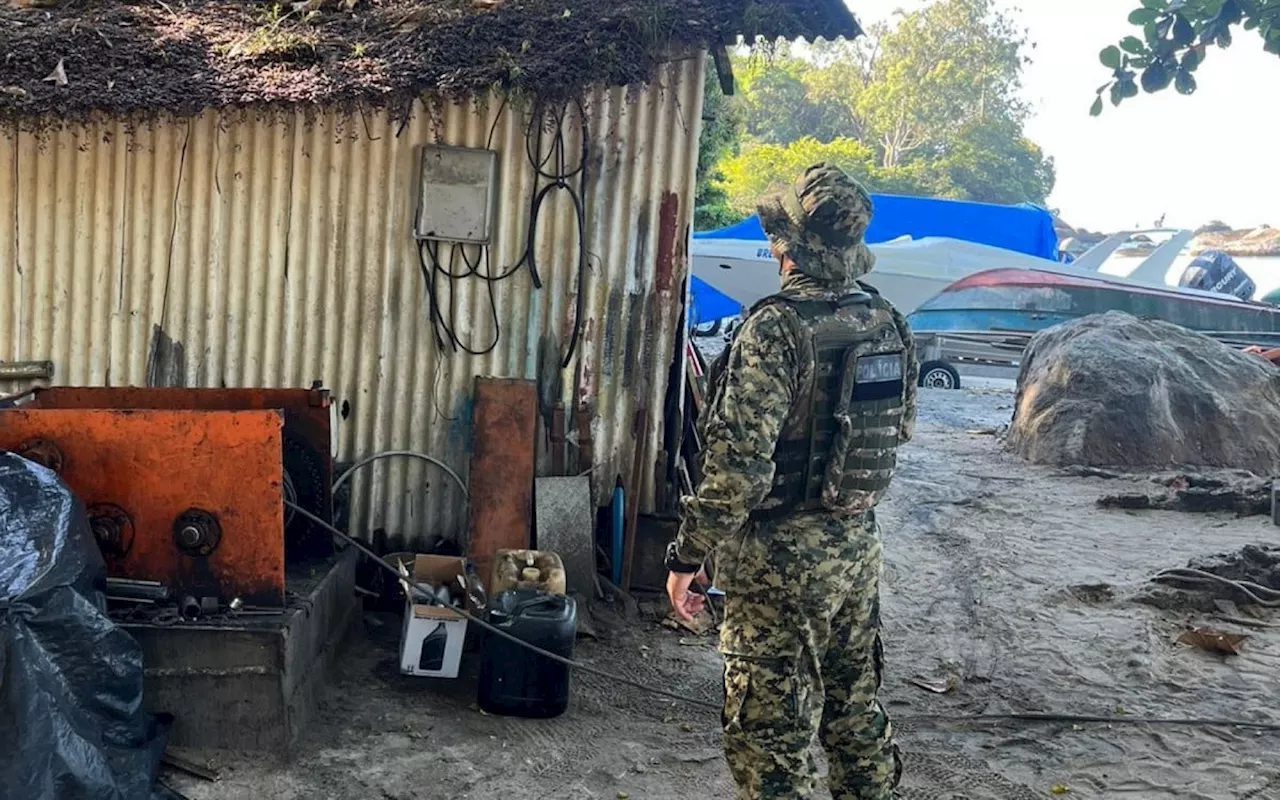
x: 515, y: 681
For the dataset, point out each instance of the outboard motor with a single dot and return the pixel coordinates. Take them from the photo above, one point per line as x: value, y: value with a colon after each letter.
x: 1215, y: 271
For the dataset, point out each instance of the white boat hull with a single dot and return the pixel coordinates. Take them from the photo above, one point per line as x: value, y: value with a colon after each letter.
x: 907, y: 272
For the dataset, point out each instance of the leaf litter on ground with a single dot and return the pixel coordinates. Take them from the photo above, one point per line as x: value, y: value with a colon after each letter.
x: 1214, y: 641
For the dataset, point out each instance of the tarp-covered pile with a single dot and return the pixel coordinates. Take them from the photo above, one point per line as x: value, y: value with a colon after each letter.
x: 71, y: 720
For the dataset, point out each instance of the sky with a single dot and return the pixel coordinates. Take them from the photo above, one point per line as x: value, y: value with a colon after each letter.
x: 1210, y: 156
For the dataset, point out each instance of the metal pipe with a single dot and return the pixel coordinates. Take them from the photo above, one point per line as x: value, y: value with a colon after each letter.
x: 189, y: 608
x: 138, y: 590
x: 403, y: 454
x: 26, y: 370
x: 131, y: 582
x: 619, y: 524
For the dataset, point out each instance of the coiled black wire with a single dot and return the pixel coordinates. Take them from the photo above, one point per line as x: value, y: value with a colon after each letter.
x: 552, y: 172
x: 446, y: 328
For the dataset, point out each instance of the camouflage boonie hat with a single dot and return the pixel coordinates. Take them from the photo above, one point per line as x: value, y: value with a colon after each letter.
x: 819, y: 224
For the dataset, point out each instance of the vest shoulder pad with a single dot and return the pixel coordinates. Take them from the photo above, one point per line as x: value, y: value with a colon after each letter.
x: 809, y: 308
x: 878, y: 300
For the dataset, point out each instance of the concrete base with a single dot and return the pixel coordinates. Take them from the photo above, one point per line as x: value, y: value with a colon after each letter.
x: 251, y: 684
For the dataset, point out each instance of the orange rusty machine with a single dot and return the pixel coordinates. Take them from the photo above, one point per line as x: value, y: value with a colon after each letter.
x: 186, y: 486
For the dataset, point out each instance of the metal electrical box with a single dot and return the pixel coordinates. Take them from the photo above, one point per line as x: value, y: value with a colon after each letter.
x: 456, y: 187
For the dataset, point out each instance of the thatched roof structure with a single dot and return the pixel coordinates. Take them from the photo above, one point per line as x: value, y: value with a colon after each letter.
x: 68, y: 58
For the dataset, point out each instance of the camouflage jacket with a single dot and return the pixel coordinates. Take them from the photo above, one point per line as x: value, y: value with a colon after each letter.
x: 741, y: 426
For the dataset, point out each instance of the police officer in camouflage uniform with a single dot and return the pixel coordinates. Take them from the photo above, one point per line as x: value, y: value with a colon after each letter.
x: 806, y: 411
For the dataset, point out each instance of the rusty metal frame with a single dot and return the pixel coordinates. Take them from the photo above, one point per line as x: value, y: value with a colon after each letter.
x: 306, y: 445
x: 192, y: 499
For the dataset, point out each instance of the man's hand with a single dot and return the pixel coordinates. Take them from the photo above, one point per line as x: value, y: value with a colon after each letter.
x: 686, y: 604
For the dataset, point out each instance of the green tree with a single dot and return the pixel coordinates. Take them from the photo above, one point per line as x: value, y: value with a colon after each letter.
x: 722, y: 129
x: 927, y: 106
x: 772, y: 167
x: 842, y: 71
x: 1176, y: 37
x: 775, y: 104
x: 988, y: 163
x: 951, y: 63
x: 786, y: 97
x: 990, y: 160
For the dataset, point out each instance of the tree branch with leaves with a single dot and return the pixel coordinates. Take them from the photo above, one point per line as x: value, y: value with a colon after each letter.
x: 1176, y: 37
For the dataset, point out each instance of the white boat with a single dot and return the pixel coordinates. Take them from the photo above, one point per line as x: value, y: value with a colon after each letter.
x: 908, y: 271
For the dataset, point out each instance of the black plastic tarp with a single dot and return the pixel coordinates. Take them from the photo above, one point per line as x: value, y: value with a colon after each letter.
x: 71, y: 719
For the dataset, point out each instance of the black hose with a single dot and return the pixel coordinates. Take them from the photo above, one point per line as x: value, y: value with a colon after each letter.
x: 948, y: 718
x: 552, y: 167
x: 559, y: 179
x: 580, y: 305
x: 446, y: 330
x: 429, y: 597
x: 16, y: 397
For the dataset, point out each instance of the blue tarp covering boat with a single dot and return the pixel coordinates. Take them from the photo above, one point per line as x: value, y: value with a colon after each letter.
x: 1022, y: 228
x: 708, y: 304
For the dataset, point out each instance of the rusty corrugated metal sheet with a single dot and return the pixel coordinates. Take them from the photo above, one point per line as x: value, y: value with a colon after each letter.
x: 250, y: 250
x: 503, y: 468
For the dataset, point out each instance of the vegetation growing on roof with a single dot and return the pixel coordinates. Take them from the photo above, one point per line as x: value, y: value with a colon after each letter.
x: 69, y: 58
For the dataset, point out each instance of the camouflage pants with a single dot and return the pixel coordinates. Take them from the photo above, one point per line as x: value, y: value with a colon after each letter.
x: 801, y: 644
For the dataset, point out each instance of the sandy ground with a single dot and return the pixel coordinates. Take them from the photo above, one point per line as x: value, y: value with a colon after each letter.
x: 987, y: 560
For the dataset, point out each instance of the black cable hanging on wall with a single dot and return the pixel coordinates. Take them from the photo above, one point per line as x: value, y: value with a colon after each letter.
x: 552, y: 172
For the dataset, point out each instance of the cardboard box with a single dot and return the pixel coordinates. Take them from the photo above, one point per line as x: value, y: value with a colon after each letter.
x: 432, y: 637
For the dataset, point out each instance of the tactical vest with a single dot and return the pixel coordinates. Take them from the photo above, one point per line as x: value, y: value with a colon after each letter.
x: 839, y: 444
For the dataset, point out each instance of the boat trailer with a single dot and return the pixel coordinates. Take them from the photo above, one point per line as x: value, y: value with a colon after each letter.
x: 996, y: 353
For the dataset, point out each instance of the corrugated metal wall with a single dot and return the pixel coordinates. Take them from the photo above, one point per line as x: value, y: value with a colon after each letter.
x: 241, y: 249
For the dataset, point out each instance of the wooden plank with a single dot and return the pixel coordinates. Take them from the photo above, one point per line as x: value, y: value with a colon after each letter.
x: 503, y: 437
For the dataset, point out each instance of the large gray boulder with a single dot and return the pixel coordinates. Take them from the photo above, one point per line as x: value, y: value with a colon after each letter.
x: 1111, y: 390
